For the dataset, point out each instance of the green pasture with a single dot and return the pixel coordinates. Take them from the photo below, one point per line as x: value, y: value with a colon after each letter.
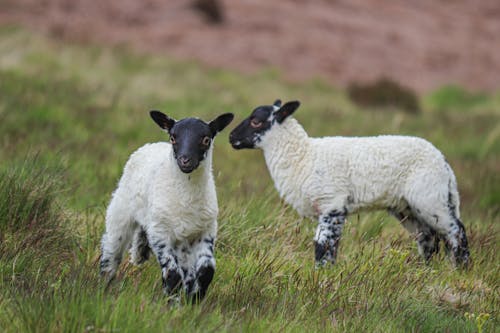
x: 70, y: 115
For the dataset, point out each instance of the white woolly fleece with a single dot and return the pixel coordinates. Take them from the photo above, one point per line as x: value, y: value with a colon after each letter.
x: 154, y: 193
x: 318, y: 175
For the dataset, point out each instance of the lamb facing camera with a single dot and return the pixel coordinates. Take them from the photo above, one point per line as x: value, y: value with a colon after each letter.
x: 331, y: 177
x: 166, y: 203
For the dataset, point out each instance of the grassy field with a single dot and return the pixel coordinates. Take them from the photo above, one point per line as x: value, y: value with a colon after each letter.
x: 70, y: 115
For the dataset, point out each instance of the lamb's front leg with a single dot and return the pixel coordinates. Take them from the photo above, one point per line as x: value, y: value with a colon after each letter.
x: 203, y: 268
x: 172, y: 275
x: 327, y: 236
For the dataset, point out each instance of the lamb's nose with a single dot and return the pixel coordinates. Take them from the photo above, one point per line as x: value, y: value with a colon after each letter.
x: 184, y: 161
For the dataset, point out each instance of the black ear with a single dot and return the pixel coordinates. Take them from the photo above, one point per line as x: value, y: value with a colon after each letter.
x: 286, y: 110
x: 219, y: 123
x: 277, y: 103
x: 162, y: 120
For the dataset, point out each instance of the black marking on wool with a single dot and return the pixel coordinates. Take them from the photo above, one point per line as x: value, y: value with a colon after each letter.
x: 159, y: 244
x: 428, y: 241
x: 208, y: 240
x: 189, y: 285
x: 461, y: 252
x: 451, y: 206
x: 174, y: 256
x: 335, y: 216
x: 171, y: 281
x: 328, y: 239
x: 204, y: 276
x: 206, y: 255
x: 319, y: 251
x: 163, y: 258
x: 143, y: 246
x: 427, y: 238
x: 103, y: 265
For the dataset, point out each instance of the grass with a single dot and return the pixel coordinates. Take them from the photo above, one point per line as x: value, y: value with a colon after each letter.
x: 70, y: 115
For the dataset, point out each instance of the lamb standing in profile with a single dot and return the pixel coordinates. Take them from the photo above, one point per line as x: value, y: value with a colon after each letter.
x: 331, y: 177
x: 166, y: 202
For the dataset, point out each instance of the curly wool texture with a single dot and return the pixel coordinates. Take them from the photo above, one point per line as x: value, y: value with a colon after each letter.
x: 348, y: 174
x: 159, y: 197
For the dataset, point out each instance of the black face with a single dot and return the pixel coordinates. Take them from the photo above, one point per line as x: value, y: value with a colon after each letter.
x: 190, y: 137
x: 250, y: 131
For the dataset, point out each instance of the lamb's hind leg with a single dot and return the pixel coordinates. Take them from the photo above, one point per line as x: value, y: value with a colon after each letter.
x: 427, y: 238
x: 327, y: 238
x: 452, y: 231
x: 435, y: 204
x: 446, y: 226
x: 456, y: 242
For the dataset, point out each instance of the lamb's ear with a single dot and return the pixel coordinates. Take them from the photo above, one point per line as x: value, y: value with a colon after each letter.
x: 286, y: 110
x: 277, y: 103
x: 219, y: 123
x: 162, y: 120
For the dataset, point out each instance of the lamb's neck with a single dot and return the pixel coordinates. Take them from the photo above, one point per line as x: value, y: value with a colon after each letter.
x: 286, y: 151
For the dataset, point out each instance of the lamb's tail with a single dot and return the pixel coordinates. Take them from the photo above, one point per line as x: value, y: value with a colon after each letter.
x: 453, y: 196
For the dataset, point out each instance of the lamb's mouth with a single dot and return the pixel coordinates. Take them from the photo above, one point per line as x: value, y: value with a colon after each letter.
x: 236, y: 144
x: 241, y: 144
x: 187, y: 169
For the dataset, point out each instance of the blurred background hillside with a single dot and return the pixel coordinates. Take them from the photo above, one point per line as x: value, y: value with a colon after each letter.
x: 420, y: 44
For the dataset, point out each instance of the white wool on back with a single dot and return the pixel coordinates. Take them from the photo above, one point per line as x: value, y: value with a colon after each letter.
x: 317, y: 175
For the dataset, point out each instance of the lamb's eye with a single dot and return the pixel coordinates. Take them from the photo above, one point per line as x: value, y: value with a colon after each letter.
x: 205, y: 141
x: 172, y: 139
x: 255, y: 123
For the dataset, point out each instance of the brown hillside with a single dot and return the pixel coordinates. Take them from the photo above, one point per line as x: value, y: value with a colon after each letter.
x: 423, y: 44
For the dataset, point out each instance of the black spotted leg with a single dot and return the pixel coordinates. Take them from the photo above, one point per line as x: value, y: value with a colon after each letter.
x: 171, y: 274
x: 203, y: 268
x: 327, y: 236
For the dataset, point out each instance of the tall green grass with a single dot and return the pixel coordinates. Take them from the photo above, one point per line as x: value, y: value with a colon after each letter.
x: 70, y: 115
